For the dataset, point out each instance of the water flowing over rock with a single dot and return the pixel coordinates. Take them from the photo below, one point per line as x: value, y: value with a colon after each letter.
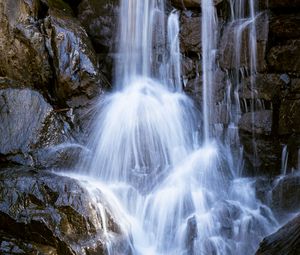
x: 45, y: 213
x: 200, y: 94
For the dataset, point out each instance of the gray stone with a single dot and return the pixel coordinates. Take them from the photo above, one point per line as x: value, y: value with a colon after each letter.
x: 43, y: 213
x: 259, y: 122
x: 284, y: 241
x: 28, y: 123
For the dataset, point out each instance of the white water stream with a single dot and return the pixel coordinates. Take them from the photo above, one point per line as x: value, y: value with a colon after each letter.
x: 172, y: 193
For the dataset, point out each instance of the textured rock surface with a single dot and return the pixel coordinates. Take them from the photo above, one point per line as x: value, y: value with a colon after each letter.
x: 285, y: 241
x: 28, y: 123
x: 42, y: 213
x: 286, y: 194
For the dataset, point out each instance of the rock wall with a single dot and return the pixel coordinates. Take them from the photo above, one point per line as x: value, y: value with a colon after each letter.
x: 49, y: 75
x: 275, y: 97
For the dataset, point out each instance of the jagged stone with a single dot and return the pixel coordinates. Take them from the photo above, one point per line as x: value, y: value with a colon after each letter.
x: 42, y: 213
x: 28, y: 123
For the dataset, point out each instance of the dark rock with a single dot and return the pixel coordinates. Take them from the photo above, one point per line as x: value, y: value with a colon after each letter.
x: 193, y: 4
x: 74, y: 60
x: 284, y: 4
x: 285, y: 241
x: 22, y: 45
x: 286, y: 194
x: 266, y: 86
x: 228, y: 45
x: 42, y: 213
x: 284, y: 57
x: 285, y: 26
x: 262, y: 154
x: 258, y: 122
x: 100, y: 19
x: 289, y: 121
x: 28, y: 123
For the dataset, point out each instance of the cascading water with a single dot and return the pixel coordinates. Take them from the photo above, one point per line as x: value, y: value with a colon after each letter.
x: 175, y: 196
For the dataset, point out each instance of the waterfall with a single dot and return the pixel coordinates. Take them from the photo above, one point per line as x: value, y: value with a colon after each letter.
x: 172, y: 192
x: 209, y: 45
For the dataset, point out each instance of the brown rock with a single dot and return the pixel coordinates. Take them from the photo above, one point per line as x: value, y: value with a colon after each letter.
x: 22, y: 46
x: 228, y: 45
x: 190, y: 34
x: 258, y: 122
x: 285, y: 57
x: 289, y: 121
x: 285, y: 26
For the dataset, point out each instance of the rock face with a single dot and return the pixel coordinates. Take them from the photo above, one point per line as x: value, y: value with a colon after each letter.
x: 266, y: 100
x: 285, y: 241
x: 42, y: 213
x: 286, y: 195
x: 45, y: 49
x: 28, y: 123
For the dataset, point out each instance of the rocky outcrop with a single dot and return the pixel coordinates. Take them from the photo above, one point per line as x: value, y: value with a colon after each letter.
x: 45, y: 48
x: 28, y: 123
x: 285, y: 241
x: 100, y: 20
x: 22, y: 44
x: 42, y: 213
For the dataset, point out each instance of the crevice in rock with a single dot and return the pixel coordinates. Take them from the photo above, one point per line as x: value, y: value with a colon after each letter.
x: 74, y: 5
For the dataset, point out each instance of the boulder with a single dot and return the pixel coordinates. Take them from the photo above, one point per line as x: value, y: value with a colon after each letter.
x: 28, y: 123
x: 284, y: 241
x: 42, y: 213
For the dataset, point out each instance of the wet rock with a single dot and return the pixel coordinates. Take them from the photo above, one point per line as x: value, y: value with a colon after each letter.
x: 258, y: 122
x: 28, y: 123
x: 262, y: 154
x: 100, y: 20
x: 42, y: 213
x: 229, y: 44
x: 284, y: 57
x: 285, y: 241
x: 265, y: 86
x: 286, y: 194
x: 74, y: 60
x: 22, y: 45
